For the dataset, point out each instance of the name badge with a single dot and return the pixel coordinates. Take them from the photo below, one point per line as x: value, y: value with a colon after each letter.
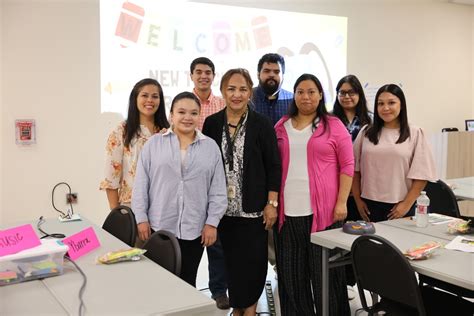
x: 81, y: 243
x: 16, y: 239
x: 231, y: 191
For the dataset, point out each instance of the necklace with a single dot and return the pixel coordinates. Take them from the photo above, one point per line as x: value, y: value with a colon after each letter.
x: 232, y: 125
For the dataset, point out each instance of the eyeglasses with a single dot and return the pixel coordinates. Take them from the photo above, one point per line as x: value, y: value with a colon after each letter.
x: 349, y: 93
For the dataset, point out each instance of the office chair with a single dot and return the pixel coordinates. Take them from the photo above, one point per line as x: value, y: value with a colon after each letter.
x: 163, y: 248
x: 381, y: 268
x: 121, y: 223
x: 442, y: 199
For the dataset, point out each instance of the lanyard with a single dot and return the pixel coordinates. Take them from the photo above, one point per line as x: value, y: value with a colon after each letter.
x: 231, y: 140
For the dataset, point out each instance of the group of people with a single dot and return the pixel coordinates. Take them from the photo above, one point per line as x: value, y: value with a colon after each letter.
x: 228, y: 173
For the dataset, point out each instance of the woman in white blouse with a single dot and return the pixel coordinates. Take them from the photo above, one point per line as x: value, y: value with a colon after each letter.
x: 393, y: 160
x: 146, y: 116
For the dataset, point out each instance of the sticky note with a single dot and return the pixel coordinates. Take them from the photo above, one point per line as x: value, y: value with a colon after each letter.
x: 44, y: 265
x: 16, y: 239
x: 8, y: 275
x: 81, y: 243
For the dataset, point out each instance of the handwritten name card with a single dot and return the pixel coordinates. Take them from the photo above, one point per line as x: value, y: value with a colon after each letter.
x: 81, y: 243
x: 16, y: 239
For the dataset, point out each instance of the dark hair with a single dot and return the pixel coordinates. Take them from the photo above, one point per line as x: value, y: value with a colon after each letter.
x: 132, y: 126
x: 361, y: 107
x: 321, y: 110
x: 185, y: 95
x: 373, y: 132
x: 203, y: 61
x: 272, y: 59
x: 236, y: 71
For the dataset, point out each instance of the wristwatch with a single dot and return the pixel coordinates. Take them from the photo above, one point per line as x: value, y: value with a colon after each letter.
x: 273, y: 203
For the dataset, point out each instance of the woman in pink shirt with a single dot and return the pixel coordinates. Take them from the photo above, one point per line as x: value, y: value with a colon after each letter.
x: 393, y: 160
x: 317, y: 169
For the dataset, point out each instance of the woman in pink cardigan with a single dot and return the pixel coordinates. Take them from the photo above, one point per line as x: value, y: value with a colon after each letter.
x: 317, y: 168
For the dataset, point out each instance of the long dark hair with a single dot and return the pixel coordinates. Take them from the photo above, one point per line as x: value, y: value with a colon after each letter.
x: 373, y: 132
x: 321, y: 110
x: 132, y: 126
x: 361, y: 107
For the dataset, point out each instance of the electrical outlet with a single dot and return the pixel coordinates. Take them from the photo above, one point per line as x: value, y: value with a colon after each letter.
x: 71, y: 198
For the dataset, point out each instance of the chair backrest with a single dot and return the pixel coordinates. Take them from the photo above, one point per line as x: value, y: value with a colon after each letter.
x: 381, y: 268
x: 163, y: 248
x: 122, y: 224
x: 442, y: 199
x: 450, y: 129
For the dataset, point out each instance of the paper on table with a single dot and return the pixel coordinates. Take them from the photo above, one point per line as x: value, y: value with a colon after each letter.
x: 438, y: 219
x: 461, y: 243
x: 74, y: 217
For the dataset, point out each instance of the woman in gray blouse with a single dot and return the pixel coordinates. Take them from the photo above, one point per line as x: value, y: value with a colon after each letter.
x: 180, y: 185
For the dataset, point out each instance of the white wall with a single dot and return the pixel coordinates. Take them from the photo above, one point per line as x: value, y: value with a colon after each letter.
x: 50, y: 72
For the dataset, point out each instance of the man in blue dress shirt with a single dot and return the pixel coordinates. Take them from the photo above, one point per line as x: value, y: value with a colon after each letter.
x: 272, y: 101
x: 268, y: 98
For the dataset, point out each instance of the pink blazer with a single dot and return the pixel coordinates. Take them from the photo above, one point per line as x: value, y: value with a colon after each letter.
x: 329, y: 155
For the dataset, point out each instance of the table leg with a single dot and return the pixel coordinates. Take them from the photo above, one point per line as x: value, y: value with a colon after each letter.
x: 325, y: 280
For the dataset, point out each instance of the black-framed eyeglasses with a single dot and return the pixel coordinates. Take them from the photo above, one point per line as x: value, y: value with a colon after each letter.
x: 343, y: 93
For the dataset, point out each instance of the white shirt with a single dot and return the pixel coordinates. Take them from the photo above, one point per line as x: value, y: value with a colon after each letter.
x: 297, y: 198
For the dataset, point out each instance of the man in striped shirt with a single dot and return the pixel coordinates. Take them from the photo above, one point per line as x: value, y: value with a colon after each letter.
x: 202, y: 75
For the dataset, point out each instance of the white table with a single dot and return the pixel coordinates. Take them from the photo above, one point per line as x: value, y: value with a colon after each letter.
x: 446, y: 265
x: 128, y: 288
x: 29, y: 298
x: 438, y: 231
x: 463, y: 187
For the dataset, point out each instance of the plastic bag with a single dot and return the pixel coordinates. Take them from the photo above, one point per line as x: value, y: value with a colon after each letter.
x: 422, y: 252
x: 132, y: 254
x: 459, y: 226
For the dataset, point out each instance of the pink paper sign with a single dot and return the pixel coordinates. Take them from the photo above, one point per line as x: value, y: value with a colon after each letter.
x: 16, y: 239
x: 81, y: 243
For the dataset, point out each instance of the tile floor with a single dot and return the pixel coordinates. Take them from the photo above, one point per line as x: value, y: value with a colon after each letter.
x: 202, y: 280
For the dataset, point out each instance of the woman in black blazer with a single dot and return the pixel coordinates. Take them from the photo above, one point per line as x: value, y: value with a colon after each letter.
x: 252, y: 164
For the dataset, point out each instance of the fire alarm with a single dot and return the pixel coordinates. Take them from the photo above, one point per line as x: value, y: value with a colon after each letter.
x: 25, y: 132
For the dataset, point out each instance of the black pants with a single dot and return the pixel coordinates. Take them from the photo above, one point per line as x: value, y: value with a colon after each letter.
x: 216, y: 267
x: 300, y: 272
x: 191, y: 254
x: 245, y: 244
x: 379, y: 210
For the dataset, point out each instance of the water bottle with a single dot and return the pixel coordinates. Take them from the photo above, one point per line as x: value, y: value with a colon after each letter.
x: 422, y: 203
